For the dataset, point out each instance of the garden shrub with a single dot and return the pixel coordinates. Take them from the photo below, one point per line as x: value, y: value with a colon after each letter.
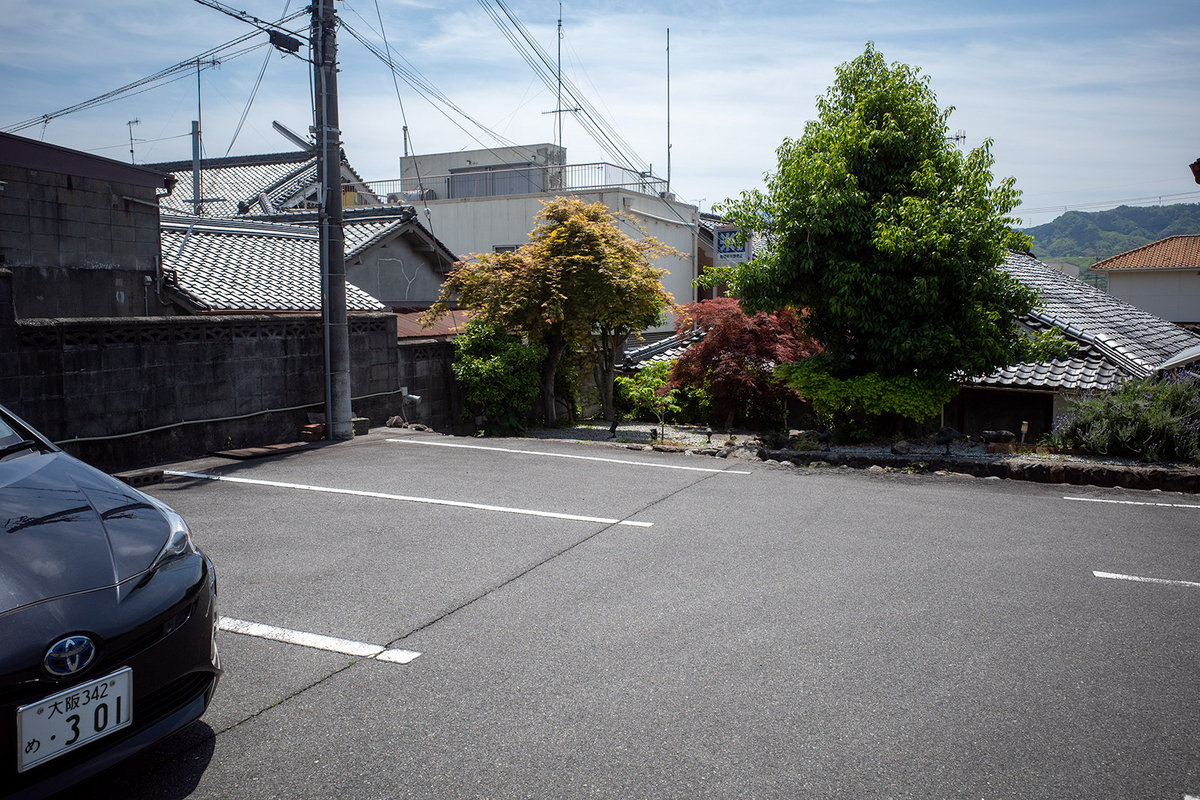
x: 650, y: 392
x: 1148, y: 419
x: 498, y: 374
x: 862, y: 407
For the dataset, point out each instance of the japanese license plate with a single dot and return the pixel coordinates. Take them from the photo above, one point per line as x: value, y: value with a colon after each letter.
x: 62, y: 722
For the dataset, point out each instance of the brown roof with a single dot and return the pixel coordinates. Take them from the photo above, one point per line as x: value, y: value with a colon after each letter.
x: 408, y: 325
x: 1174, y: 252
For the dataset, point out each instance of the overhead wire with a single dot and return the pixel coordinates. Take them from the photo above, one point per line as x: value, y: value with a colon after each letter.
x: 162, y: 77
x: 1107, y: 203
x: 605, y: 136
x: 426, y: 89
x: 592, y: 121
x: 253, y: 91
x: 403, y: 118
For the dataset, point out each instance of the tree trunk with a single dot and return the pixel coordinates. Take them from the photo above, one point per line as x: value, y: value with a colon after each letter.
x: 611, y: 344
x: 555, y: 345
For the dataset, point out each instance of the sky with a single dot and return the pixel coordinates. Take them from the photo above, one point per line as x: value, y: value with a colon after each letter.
x: 1088, y: 105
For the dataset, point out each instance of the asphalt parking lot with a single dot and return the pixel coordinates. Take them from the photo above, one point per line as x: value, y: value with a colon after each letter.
x: 415, y: 616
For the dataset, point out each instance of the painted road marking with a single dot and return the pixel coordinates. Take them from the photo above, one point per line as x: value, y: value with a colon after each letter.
x: 427, y: 500
x: 567, y: 455
x: 317, y: 642
x: 1114, y: 576
x: 1130, y: 502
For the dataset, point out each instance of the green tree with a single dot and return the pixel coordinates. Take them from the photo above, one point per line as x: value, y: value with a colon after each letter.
x: 886, y: 235
x: 578, y: 276
x: 650, y: 391
x: 497, y: 373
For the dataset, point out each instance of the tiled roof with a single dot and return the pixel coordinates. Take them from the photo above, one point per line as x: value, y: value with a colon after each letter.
x: 241, y: 265
x: 280, y: 178
x: 366, y: 226
x: 668, y: 348
x: 239, y: 179
x: 1087, y: 369
x: 1174, y: 252
x: 1133, y: 340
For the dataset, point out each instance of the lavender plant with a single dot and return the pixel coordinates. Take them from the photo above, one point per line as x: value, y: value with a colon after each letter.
x: 1152, y: 419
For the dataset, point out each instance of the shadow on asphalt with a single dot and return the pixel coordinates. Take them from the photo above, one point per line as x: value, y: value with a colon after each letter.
x: 169, y: 770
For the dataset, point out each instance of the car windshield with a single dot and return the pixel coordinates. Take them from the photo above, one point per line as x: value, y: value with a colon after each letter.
x: 7, y: 433
x: 13, y: 439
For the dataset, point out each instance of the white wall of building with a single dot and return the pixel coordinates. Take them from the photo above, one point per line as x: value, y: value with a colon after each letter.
x: 1173, y: 295
x: 481, y: 224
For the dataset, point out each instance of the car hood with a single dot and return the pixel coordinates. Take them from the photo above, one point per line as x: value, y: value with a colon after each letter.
x: 66, y: 527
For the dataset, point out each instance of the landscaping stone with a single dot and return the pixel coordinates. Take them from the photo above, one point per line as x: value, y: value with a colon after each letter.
x: 966, y: 458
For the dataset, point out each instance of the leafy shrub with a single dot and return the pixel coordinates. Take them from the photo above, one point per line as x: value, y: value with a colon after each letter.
x: 1148, y: 419
x: 860, y: 407
x: 696, y: 405
x: 498, y: 375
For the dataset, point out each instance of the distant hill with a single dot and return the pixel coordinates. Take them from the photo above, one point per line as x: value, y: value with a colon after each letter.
x: 1097, y: 235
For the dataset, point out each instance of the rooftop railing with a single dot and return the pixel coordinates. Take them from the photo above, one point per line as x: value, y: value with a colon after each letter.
x: 509, y: 180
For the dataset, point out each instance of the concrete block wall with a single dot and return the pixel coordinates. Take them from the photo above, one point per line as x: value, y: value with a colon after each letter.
x: 92, y: 379
x: 425, y: 370
x: 78, y: 246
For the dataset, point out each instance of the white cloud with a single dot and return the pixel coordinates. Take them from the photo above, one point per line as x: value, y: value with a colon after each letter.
x: 1085, y: 103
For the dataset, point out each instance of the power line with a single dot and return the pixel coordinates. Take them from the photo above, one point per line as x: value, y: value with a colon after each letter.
x: 169, y: 75
x: 539, y: 60
x: 425, y: 88
x: 254, y: 91
x: 1064, y: 207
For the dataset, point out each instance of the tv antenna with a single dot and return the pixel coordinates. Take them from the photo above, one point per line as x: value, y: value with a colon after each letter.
x: 959, y: 136
x: 559, y: 110
x: 131, y: 123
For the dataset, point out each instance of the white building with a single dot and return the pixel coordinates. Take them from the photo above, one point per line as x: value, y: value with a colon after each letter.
x: 1162, y: 277
x: 482, y: 201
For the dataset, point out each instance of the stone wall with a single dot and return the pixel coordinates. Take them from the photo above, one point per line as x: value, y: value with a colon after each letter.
x: 190, y: 385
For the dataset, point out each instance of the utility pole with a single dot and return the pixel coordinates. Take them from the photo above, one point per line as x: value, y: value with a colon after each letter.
x: 332, y: 241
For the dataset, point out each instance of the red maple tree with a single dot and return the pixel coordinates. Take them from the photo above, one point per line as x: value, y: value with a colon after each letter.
x: 735, y: 359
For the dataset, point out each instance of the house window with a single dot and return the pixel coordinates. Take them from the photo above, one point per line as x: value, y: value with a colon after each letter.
x: 504, y: 248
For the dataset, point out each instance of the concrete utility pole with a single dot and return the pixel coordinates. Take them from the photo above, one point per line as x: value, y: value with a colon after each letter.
x: 333, y: 255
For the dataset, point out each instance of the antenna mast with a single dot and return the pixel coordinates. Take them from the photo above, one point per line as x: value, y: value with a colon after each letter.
x: 668, y: 110
x: 131, y: 123
x: 558, y: 109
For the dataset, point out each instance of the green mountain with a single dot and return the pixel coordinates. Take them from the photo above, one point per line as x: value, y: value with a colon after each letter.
x: 1097, y: 235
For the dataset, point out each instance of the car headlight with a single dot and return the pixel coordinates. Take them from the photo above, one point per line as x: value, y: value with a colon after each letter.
x: 179, y: 540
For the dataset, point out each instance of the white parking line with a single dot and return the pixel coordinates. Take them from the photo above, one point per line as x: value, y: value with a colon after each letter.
x: 568, y: 455
x: 428, y: 500
x: 1114, y: 576
x: 1130, y: 502
x: 317, y: 641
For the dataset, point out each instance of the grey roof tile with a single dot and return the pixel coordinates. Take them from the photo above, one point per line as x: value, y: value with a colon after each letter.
x: 240, y: 265
x: 1133, y: 341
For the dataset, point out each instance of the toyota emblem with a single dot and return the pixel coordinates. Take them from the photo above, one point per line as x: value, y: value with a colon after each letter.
x: 69, y: 655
